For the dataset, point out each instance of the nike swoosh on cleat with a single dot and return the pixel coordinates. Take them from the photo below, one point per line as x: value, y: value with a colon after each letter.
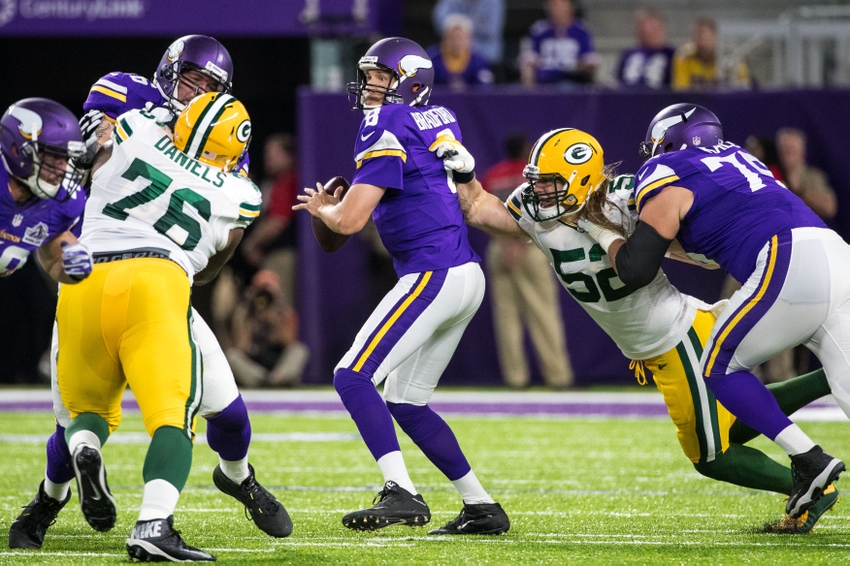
x: 460, y: 528
x: 97, y: 494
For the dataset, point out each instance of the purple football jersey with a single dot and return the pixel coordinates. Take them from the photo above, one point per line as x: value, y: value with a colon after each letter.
x: 116, y: 93
x: 25, y: 227
x: 561, y: 50
x: 419, y: 218
x: 646, y: 67
x: 738, y: 205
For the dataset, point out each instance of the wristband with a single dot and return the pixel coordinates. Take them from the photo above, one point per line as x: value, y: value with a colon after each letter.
x: 463, y: 178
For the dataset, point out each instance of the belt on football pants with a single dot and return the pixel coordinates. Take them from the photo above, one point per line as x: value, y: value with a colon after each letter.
x: 106, y: 257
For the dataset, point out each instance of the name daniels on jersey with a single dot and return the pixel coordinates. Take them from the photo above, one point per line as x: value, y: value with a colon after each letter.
x: 433, y: 118
x: 196, y: 168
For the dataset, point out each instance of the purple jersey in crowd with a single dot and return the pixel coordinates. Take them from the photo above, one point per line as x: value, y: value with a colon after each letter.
x: 24, y: 227
x: 117, y: 93
x: 646, y: 67
x: 419, y: 218
x: 738, y: 205
x: 561, y: 50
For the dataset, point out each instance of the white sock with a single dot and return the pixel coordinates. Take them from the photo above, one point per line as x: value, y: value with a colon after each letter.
x: 57, y: 491
x: 393, y: 468
x: 83, y: 437
x: 793, y: 440
x: 471, y: 489
x: 159, y: 500
x: 235, y: 470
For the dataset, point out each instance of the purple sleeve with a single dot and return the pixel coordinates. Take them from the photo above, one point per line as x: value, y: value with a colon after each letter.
x: 117, y: 93
x: 379, y: 153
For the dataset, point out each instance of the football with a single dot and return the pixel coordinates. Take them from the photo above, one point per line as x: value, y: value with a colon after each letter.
x: 329, y: 240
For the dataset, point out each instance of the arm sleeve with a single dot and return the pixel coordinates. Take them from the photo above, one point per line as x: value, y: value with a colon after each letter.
x: 639, y: 259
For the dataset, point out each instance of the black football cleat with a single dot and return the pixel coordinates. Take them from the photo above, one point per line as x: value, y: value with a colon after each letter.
x: 157, y: 541
x: 266, y: 511
x: 96, y: 501
x: 812, y: 472
x: 29, y: 528
x: 393, y: 505
x: 477, y: 519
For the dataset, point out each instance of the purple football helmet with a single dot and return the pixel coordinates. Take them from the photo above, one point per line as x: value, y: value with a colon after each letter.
x: 38, y: 140
x: 193, y: 53
x: 411, y: 68
x: 681, y: 126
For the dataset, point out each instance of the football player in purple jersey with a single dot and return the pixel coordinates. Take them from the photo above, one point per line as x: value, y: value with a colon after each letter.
x: 191, y: 65
x: 721, y: 202
x: 410, y: 337
x: 42, y: 207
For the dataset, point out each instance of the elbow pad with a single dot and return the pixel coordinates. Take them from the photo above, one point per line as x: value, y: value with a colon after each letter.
x: 639, y: 259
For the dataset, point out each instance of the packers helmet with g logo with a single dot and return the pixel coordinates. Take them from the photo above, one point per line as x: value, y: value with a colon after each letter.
x: 572, y: 162
x: 215, y: 129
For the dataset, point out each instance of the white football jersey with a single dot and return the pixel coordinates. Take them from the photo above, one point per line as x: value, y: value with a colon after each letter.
x: 643, y: 323
x: 151, y: 195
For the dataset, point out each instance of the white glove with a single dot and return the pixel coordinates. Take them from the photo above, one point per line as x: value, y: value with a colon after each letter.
x: 604, y: 236
x: 76, y: 261
x: 455, y: 157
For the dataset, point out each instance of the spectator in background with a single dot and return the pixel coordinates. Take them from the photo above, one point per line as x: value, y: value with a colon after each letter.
x: 456, y: 64
x: 271, y: 243
x: 695, y: 63
x: 765, y: 150
x: 265, y: 350
x: 808, y: 183
x: 488, y: 24
x: 522, y: 290
x: 651, y: 62
x: 559, y: 49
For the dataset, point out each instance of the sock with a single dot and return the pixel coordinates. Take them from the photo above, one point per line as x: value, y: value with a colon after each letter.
x: 59, y: 468
x: 368, y: 411
x: 159, y: 500
x: 748, y: 467
x: 433, y: 436
x: 794, y: 441
x: 235, y: 470
x: 471, y: 490
x: 93, y: 428
x: 393, y: 468
x: 57, y: 491
x: 229, y: 432
x: 749, y: 400
x: 81, y: 437
x: 169, y: 457
x: 792, y: 395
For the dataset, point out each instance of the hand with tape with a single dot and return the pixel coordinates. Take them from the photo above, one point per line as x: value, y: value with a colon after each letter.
x: 76, y: 261
x: 604, y: 236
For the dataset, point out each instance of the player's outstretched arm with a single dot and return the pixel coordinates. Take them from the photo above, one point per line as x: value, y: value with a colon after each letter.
x: 65, y: 259
x: 485, y: 211
x: 342, y: 216
x: 217, y: 261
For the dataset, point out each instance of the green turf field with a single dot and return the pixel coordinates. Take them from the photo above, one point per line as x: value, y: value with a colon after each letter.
x: 577, y: 491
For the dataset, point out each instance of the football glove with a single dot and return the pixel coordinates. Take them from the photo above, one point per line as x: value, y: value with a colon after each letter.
x: 88, y: 125
x: 76, y: 261
x: 456, y: 158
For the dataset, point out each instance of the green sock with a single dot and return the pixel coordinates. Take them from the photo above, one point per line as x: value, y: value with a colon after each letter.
x: 91, y: 422
x: 748, y: 467
x: 792, y: 395
x: 169, y: 457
